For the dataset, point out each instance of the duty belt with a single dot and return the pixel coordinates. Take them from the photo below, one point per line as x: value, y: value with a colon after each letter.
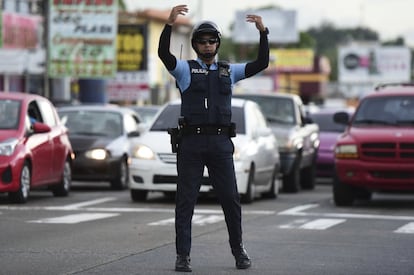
x: 206, y: 130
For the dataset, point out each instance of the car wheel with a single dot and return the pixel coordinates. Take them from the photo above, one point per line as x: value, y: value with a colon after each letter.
x: 21, y: 195
x: 343, y: 194
x: 307, y: 177
x: 363, y: 194
x: 138, y: 195
x: 248, y: 197
x: 122, y: 178
x: 291, y: 181
x: 274, y: 187
x: 62, y: 189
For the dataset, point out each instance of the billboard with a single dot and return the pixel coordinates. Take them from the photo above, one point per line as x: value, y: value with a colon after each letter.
x: 82, y: 38
x: 374, y: 64
x: 291, y: 60
x: 282, y: 26
x: 132, y: 81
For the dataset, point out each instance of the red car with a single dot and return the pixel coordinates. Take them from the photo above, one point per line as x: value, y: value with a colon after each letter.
x: 34, y: 147
x: 376, y: 151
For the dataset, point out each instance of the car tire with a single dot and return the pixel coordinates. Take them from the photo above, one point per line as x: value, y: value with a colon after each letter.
x: 307, y: 177
x: 291, y: 181
x: 21, y: 195
x: 138, y: 195
x: 248, y: 197
x: 122, y: 176
x: 343, y: 194
x: 274, y: 188
x: 62, y: 189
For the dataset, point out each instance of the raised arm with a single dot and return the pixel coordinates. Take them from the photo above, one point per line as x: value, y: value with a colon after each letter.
x: 262, y: 61
x: 164, y: 53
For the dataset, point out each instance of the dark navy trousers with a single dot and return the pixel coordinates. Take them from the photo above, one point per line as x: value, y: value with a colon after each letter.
x: 216, y: 153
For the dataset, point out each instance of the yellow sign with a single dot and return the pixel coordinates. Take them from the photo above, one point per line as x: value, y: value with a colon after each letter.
x: 292, y: 60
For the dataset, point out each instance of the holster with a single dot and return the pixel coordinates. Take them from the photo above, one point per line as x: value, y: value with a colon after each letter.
x: 176, y: 134
x: 174, y: 138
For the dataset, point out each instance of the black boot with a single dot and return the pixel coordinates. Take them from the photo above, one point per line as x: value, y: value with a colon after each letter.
x: 183, y: 263
x: 242, y: 259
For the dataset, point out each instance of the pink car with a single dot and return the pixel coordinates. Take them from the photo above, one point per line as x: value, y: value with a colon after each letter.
x: 329, y: 132
x: 34, y: 147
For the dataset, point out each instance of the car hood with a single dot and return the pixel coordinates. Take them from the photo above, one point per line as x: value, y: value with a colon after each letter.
x: 82, y: 143
x: 381, y: 134
x: 158, y: 141
x: 281, y: 131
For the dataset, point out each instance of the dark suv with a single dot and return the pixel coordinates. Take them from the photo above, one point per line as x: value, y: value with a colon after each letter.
x: 376, y: 151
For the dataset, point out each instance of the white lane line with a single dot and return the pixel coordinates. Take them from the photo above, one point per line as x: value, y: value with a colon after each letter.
x: 294, y: 224
x: 87, y: 203
x: 76, y: 218
x: 297, y: 211
x: 203, y: 220
x: 197, y: 220
x: 321, y: 224
x: 407, y: 229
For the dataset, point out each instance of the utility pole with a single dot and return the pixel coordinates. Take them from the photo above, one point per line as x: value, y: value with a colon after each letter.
x: 45, y: 10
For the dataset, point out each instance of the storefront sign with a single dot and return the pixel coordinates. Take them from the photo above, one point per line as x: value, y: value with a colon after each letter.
x: 82, y: 38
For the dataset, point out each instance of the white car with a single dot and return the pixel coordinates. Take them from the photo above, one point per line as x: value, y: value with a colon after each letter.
x: 256, y: 156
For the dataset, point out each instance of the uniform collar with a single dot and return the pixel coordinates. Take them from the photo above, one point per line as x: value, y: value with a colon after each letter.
x: 204, y: 66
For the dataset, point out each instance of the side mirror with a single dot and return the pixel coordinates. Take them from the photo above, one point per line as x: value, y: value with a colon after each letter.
x: 341, y: 118
x: 39, y: 127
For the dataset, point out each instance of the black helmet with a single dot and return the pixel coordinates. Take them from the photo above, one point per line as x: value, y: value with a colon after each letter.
x: 205, y: 27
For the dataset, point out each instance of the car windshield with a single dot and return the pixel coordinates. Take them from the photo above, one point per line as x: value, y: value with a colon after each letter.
x: 168, y: 118
x: 326, y: 123
x: 386, y: 110
x: 9, y: 114
x: 92, y: 122
x: 276, y: 110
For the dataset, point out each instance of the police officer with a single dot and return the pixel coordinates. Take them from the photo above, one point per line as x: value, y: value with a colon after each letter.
x: 206, y: 89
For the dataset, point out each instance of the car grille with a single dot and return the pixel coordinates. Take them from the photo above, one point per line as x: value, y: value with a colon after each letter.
x: 168, y: 157
x: 161, y: 179
x: 403, y: 151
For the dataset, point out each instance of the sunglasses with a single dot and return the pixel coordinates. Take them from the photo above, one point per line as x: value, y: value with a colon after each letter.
x: 210, y: 41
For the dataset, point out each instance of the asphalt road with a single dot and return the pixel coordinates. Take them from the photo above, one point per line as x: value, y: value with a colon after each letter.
x: 99, y: 231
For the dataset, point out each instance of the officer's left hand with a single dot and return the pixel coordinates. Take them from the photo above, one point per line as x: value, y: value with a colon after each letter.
x: 257, y: 20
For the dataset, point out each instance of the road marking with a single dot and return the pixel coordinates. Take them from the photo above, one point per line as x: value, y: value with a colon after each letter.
x: 322, y: 224
x: 408, y: 228
x: 298, y: 211
x: 76, y: 218
x: 317, y: 224
x: 87, y: 203
x: 197, y: 220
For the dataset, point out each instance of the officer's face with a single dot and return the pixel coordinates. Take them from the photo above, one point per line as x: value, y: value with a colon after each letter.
x: 207, y: 44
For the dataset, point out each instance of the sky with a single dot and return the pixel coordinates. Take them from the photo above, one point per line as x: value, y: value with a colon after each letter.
x: 390, y: 18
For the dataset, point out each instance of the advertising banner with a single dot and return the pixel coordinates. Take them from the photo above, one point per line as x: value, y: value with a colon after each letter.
x: 132, y: 81
x: 282, y: 26
x: 292, y: 60
x: 20, y: 31
x: 365, y: 64
x: 82, y: 38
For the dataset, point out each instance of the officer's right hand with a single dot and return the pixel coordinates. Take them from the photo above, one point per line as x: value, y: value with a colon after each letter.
x: 177, y: 10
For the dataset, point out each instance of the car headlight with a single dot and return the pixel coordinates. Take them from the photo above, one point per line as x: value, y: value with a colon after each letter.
x: 143, y: 152
x: 98, y: 154
x: 346, y: 151
x: 7, y: 147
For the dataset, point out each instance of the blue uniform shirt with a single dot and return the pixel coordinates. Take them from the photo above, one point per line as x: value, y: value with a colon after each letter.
x: 182, y: 73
